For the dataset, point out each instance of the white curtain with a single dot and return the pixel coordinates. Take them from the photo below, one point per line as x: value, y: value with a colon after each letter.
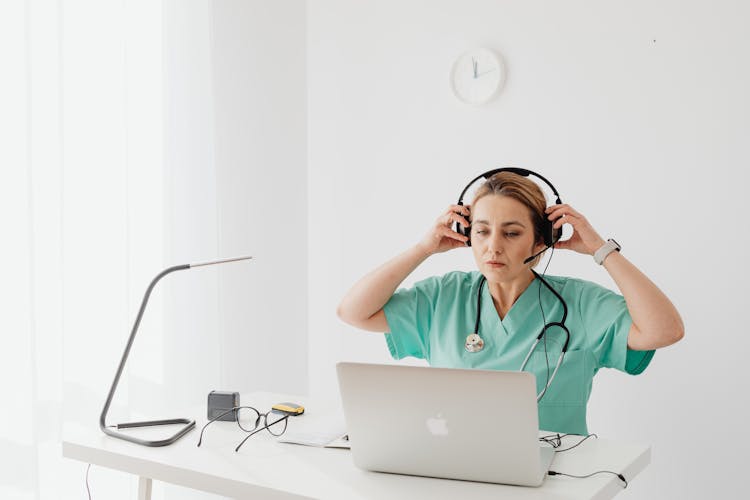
x: 19, y: 382
x: 31, y: 196
x: 136, y: 135
x: 93, y: 164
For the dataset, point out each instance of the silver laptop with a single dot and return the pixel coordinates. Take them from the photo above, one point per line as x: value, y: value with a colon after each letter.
x: 475, y: 425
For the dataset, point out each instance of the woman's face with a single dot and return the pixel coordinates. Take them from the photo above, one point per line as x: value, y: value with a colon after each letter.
x: 502, y: 237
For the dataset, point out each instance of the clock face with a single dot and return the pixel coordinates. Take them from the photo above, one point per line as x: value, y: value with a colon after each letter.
x: 477, y: 76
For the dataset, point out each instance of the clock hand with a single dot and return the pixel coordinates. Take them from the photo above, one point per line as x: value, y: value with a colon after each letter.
x: 474, y: 64
x: 485, y: 72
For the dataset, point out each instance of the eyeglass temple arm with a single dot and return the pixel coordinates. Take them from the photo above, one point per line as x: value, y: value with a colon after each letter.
x: 285, y: 417
x: 235, y: 408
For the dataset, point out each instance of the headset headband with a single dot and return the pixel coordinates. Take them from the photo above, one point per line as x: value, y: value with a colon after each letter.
x: 515, y: 170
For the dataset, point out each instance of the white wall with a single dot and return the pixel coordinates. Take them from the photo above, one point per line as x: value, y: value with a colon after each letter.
x: 260, y: 101
x: 637, y: 112
x: 236, y: 133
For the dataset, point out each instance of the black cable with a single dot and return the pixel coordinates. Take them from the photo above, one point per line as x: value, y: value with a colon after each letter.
x: 554, y: 440
x: 87, y: 481
x: 577, y: 444
x: 544, y: 322
x: 561, y: 324
x: 622, y: 478
x: 562, y: 301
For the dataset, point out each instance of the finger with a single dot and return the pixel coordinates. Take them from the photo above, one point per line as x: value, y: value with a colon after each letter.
x: 454, y: 217
x: 556, y: 211
x: 561, y: 215
x: 578, y: 223
x: 573, y: 221
x: 557, y: 206
x: 449, y: 233
x: 462, y: 209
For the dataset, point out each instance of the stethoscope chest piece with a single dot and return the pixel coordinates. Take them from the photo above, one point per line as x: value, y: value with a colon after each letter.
x: 474, y: 343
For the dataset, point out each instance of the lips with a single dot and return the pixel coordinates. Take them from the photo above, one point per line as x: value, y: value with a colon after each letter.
x: 494, y: 263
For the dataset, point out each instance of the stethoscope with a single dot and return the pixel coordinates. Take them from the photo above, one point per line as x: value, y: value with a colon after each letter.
x: 475, y: 343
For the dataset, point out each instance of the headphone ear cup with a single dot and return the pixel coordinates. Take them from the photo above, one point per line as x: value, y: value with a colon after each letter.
x: 465, y: 231
x: 549, y: 234
x: 556, y: 235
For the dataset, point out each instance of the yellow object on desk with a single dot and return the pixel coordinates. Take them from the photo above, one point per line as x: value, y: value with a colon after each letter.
x: 292, y: 409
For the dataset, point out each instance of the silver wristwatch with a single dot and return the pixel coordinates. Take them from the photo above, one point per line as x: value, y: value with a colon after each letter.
x: 606, y: 249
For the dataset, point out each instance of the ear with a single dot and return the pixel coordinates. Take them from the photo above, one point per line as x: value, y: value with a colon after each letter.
x: 538, y: 247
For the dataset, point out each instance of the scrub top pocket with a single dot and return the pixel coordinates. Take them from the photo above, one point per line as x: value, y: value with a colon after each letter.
x: 570, y: 385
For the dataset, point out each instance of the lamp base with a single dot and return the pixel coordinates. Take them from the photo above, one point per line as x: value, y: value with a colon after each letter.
x: 189, y: 424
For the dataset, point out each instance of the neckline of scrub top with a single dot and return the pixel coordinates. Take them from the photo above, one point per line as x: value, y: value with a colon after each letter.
x: 517, y: 314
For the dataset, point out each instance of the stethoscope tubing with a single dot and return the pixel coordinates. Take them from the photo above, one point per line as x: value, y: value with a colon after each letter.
x: 539, y: 337
x: 554, y: 372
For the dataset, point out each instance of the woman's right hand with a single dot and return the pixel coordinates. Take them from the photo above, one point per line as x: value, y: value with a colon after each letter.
x: 441, y: 237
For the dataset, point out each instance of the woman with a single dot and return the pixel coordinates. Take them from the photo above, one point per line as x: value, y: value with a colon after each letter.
x: 508, y: 304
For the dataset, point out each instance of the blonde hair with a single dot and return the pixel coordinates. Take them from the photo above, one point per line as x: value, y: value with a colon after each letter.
x: 522, y: 189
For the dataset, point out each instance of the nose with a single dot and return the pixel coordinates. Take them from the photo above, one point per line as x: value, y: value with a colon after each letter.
x: 495, y: 242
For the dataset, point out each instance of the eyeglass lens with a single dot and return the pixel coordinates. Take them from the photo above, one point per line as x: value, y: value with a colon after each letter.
x: 249, y: 419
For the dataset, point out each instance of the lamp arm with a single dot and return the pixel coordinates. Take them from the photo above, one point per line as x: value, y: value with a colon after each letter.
x: 105, y: 410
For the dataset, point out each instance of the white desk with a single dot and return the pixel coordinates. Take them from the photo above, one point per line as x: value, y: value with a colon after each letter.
x: 266, y: 469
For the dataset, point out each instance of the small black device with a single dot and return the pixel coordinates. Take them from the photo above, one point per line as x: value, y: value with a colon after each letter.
x: 221, y: 401
x: 549, y: 234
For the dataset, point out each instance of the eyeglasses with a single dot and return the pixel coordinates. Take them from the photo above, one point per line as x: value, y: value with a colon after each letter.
x: 248, y: 419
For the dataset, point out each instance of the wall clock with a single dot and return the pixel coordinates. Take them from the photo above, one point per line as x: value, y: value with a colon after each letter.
x: 477, y: 76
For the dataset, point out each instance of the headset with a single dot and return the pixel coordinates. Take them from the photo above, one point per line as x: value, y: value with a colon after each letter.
x: 550, y: 235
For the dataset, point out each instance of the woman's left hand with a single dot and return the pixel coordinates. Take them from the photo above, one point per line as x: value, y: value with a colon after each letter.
x: 584, y: 239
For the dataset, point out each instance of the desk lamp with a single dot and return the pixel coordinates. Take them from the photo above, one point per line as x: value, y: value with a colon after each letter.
x: 189, y: 424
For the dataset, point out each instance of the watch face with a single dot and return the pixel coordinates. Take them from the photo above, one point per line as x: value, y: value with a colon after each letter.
x: 477, y: 76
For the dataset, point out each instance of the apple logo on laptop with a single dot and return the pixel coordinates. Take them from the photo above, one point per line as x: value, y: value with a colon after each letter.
x: 437, y: 425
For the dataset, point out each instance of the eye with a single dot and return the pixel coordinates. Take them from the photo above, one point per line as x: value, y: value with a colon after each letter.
x: 511, y: 235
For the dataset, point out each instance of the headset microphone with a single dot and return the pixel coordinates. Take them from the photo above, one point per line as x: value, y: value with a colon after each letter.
x: 538, y: 254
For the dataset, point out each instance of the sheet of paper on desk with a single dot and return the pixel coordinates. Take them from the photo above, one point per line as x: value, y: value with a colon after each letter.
x: 321, y: 439
x: 328, y: 432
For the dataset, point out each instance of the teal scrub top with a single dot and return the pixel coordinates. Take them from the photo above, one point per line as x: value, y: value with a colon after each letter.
x: 432, y: 319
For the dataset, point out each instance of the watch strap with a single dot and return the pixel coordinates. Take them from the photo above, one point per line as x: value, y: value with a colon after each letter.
x: 606, y: 249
